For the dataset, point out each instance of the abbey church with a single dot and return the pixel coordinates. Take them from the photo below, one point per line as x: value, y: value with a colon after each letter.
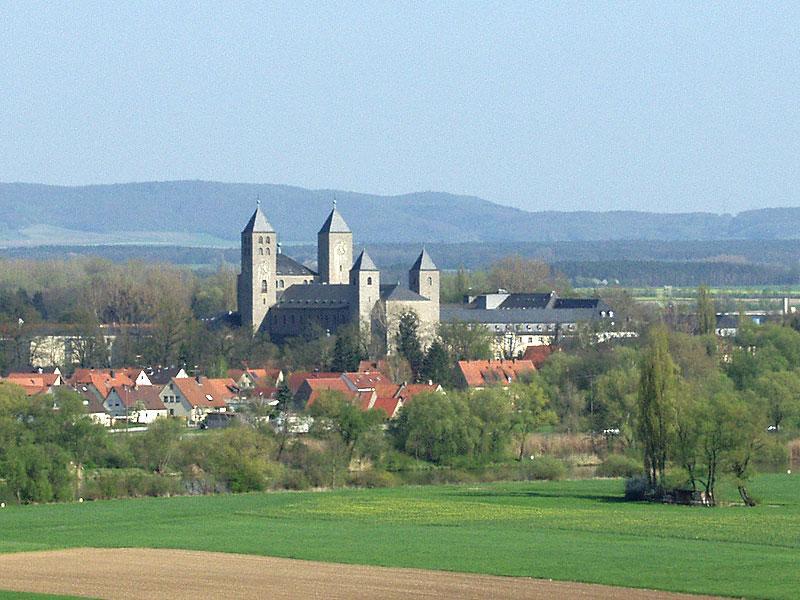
x: 284, y: 298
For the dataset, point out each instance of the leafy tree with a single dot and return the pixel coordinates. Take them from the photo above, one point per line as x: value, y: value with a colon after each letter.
x: 530, y: 409
x: 656, y: 405
x: 780, y: 394
x: 466, y: 341
x: 706, y: 312
x: 518, y: 274
x: 335, y: 413
x: 436, y: 427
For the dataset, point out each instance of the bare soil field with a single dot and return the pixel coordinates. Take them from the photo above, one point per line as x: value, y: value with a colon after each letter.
x: 149, y: 573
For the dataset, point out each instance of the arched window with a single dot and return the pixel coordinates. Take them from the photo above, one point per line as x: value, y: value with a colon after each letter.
x: 268, y: 239
x: 261, y: 251
x: 261, y: 239
x: 267, y: 251
x: 281, y: 283
x: 430, y: 280
x: 264, y: 286
x: 369, y: 280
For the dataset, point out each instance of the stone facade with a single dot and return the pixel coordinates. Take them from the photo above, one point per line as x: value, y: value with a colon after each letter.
x: 286, y: 299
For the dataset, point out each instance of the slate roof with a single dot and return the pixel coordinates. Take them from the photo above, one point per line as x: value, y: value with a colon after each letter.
x: 315, y: 295
x: 364, y: 263
x: 335, y: 224
x: 396, y: 292
x: 527, y: 301
x: 579, y: 303
x: 286, y: 265
x: 258, y: 223
x: 450, y: 313
x: 424, y: 262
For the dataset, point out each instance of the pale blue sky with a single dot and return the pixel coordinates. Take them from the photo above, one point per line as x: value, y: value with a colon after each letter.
x: 651, y: 106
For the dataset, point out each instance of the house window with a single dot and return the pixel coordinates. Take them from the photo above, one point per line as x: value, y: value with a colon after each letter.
x: 264, y: 286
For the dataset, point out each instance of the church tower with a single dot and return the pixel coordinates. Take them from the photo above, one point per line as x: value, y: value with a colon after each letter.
x: 334, y: 249
x: 256, y: 285
x: 365, y: 280
x: 423, y: 278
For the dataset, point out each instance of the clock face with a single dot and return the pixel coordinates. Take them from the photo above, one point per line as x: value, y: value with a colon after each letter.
x: 340, y: 249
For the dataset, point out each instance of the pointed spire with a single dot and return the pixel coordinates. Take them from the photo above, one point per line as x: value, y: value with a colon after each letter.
x: 364, y: 263
x: 335, y: 223
x: 424, y: 262
x: 258, y: 222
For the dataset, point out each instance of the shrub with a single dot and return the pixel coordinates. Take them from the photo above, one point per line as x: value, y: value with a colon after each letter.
x: 617, y: 465
x: 374, y: 479
x: 294, y: 479
x: 543, y: 468
x: 637, y: 488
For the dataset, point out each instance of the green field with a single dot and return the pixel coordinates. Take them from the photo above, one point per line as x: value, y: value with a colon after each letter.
x: 572, y: 530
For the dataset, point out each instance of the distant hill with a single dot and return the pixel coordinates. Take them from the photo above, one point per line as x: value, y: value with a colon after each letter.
x: 212, y: 214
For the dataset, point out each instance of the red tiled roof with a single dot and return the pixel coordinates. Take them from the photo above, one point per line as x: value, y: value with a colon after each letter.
x: 148, y: 395
x: 295, y: 380
x: 32, y: 386
x: 538, y: 354
x: 206, y: 393
x: 367, y: 380
x: 318, y: 385
x: 407, y: 392
x: 388, y: 405
x: 479, y: 373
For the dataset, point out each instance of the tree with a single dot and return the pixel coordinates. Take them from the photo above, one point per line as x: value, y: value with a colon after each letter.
x: 780, y: 394
x: 530, y: 409
x: 335, y: 413
x: 408, y: 343
x: 656, y: 406
x: 706, y: 312
x: 518, y: 274
x: 466, y: 341
x: 346, y: 351
x: 436, y: 366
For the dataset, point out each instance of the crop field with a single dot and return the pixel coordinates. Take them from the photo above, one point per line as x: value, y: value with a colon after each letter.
x: 572, y: 531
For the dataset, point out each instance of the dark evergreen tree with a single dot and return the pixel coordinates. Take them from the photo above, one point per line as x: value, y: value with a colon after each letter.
x: 437, y: 365
x: 346, y: 352
x: 408, y: 344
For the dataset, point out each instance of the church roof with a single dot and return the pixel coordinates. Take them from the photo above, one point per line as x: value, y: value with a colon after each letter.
x: 424, y: 262
x: 364, y: 263
x: 258, y: 223
x: 315, y: 295
x: 289, y: 266
x: 335, y: 223
x: 398, y: 293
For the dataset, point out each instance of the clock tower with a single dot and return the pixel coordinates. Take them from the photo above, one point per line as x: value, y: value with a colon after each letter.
x: 256, y: 285
x: 334, y: 249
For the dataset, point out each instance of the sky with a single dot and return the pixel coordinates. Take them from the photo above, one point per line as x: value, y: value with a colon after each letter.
x: 655, y: 106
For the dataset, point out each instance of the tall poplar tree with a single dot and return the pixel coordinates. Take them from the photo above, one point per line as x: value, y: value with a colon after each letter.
x: 706, y: 311
x: 656, y: 405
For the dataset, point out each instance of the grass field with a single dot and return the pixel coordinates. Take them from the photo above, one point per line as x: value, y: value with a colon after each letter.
x: 573, y: 530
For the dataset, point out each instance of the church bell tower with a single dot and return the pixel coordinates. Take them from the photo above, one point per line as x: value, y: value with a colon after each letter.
x: 334, y: 249
x: 256, y: 292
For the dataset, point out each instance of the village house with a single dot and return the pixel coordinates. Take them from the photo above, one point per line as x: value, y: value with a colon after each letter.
x: 137, y: 404
x: 193, y: 398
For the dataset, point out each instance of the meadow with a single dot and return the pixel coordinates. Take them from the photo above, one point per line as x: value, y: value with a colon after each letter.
x: 569, y: 530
